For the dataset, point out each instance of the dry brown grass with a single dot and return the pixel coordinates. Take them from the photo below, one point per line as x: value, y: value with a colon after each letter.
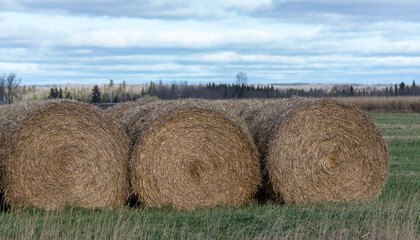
x: 187, y: 154
x: 59, y: 153
x: 386, y: 104
x: 317, y: 150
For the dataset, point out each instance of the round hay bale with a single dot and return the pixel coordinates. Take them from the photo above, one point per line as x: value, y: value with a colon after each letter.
x: 188, y: 155
x: 62, y: 153
x: 247, y: 109
x: 319, y: 150
x: 9, y: 113
x: 119, y: 111
x: 133, y: 119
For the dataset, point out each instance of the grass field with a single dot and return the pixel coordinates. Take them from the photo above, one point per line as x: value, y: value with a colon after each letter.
x: 394, y: 215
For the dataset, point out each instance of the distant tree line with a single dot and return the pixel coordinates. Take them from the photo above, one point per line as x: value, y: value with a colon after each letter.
x: 59, y: 93
x: 112, y: 94
x: 238, y: 91
x: 108, y: 93
x: 10, y: 91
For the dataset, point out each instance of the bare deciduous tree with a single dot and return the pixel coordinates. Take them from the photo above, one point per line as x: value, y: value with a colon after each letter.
x: 241, y: 78
x: 2, y: 89
x: 9, y: 86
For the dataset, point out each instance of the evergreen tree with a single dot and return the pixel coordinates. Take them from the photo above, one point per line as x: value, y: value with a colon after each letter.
x: 60, y: 93
x: 402, y: 86
x: 151, y: 88
x: 124, y: 88
x: 53, y: 93
x: 96, y: 95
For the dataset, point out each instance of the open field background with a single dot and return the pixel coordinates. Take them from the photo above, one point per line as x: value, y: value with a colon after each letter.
x: 121, y: 92
x: 394, y: 215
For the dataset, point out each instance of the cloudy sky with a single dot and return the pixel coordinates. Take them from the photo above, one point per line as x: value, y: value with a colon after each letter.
x: 272, y: 41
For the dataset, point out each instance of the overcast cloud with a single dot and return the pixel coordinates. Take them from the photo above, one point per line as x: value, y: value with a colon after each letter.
x: 289, y: 41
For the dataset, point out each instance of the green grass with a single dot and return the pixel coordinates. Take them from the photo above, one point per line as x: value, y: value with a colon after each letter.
x: 381, y: 218
x: 393, y: 215
x: 397, y: 124
x: 396, y: 118
x: 399, y: 132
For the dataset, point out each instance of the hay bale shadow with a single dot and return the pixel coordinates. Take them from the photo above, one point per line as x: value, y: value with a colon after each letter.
x: 3, y: 205
x: 133, y: 201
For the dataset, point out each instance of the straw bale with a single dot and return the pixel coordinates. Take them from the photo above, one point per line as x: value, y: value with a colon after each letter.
x: 118, y: 111
x: 9, y: 114
x: 133, y: 119
x: 188, y: 154
x: 319, y: 150
x: 247, y: 109
x: 60, y: 153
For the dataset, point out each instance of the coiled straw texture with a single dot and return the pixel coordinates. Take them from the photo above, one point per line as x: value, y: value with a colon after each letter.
x: 188, y: 154
x: 60, y: 153
x: 316, y: 150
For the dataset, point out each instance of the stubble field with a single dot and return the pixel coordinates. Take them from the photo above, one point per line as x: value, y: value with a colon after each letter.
x: 393, y: 215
